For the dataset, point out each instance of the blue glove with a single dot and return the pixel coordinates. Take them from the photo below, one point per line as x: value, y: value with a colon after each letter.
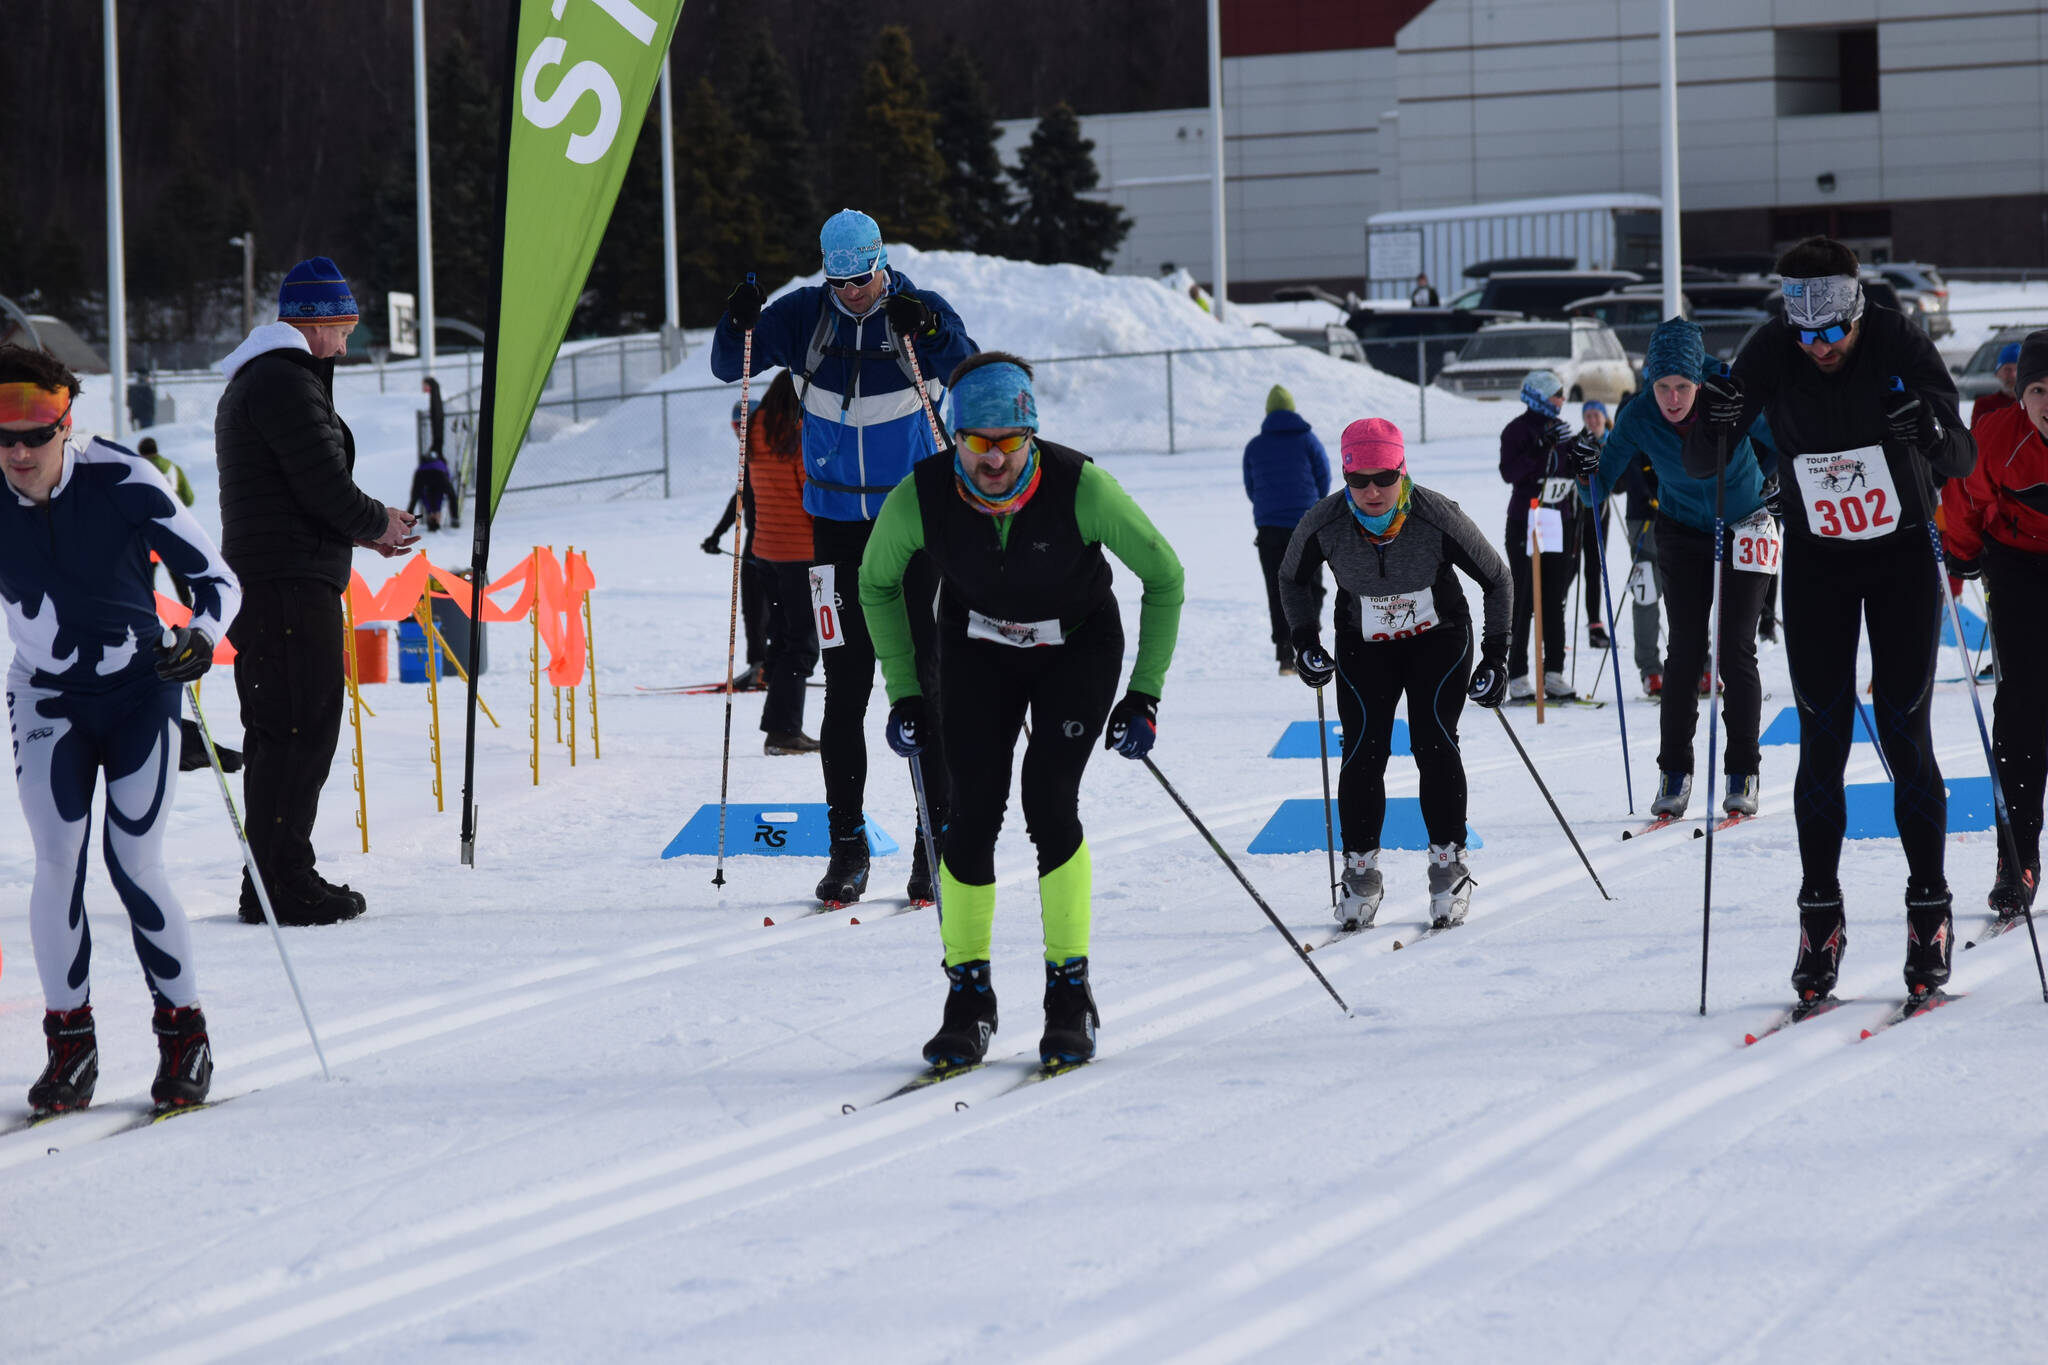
x: 1312, y: 665
x: 1133, y: 725
x: 906, y: 727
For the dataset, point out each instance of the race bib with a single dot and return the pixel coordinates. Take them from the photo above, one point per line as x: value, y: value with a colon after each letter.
x: 1849, y: 494
x: 1753, y: 543
x: 825, y: 606
x: 1017, y: 634
x: 1397, y: 616
x: 1558, y: 492
x: 1642, y: 584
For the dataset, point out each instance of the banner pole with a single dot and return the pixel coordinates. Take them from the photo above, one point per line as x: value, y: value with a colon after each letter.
x: 533, y: 667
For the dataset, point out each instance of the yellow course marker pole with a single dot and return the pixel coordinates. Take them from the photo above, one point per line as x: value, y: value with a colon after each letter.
x: 533, y: 668
x: 355, y: 709
x: 536, y: 621
x: 590, y: 666
x: 424, y: 611
x: 441, y: 641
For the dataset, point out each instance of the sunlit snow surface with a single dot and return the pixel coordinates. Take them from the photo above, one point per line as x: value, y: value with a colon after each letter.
x: 588, y: 1107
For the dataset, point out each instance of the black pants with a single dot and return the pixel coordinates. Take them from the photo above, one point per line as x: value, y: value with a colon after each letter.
x: 1557, y: 586
x: 986, y: 689
x: 792, y: 645
x: 1831, y: 591
x: 2019, y: 711
x: 757, y: 605
x: 850, y: 675
x: 1642, y: 541
x: 1432, y: 669
x: 1272, y: 544
x: 289, y: 677
x: 1685, y: 562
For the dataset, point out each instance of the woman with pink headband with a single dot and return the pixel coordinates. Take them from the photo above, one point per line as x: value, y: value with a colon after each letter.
x: 1404, y: 628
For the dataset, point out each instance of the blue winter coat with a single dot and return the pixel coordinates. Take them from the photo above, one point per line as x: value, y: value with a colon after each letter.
x: 1642, y: 433
x: 864, y: 426
x: 1286, y: 471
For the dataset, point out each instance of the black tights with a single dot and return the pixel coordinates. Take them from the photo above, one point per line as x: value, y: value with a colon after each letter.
x: 1432, y: 669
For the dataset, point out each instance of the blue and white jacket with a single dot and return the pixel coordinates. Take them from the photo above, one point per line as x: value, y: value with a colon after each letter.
x: 75, y: 574
x: 864, y: 426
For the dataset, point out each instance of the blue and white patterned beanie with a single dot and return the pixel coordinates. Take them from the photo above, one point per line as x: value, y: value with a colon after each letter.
x: 1538, y: 388
x: 852, y: 245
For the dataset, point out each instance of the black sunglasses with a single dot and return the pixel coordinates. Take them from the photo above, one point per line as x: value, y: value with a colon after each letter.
x: 34, y: 436
x: 1385, y: 478
x: 850, y: 281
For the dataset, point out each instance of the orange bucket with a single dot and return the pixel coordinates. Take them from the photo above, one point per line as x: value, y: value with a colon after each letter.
x: 373, y: 656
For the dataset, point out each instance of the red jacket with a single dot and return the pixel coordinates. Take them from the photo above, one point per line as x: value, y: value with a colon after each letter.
x: 2005, y: 498
x: 782, y: 528
x: 1988, y: 403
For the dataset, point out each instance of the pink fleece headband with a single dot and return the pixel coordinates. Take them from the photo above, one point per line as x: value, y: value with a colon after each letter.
x: 1372, y: 443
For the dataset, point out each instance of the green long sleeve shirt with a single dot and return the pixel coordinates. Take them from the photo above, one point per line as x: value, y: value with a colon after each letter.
x: 1106, y: 516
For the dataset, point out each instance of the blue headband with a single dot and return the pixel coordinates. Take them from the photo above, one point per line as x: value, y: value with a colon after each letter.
x: 992, y: 398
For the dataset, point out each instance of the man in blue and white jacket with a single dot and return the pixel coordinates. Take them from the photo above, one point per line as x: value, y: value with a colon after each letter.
x: 865, y: 425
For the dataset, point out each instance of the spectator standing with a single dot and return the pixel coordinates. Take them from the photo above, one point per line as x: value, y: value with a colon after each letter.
x: 1535, y: 466
x: 1595, y: 423
x: 2006, y: 395
x: 756, y: 587
x: 1286, y: 472
x: 780, y: 532
x: 1424, y: 294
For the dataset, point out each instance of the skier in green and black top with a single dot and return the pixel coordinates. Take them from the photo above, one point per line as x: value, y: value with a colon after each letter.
x: 1016, y: 527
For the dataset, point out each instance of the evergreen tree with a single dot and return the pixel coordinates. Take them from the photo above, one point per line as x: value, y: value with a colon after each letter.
x: 462, y: 144
x: 1055, y: 223
x: 781, y: 173
x: 626, y: 290
x: 887, y: 160
x: 977, y: 199
x: 718, y: 222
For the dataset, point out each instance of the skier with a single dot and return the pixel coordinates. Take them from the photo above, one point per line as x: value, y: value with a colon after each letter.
x: 781, y: 541
x: 1285, y: 471
x: 1533, y: 462
x: 92, y: 688
x: 1594, y: 422
x: 1015, y: 527
x: 757, y: 584
x: 1824, y: 374
x: 1656, y: 430
x: 431, y: 487
x: 1394, y: 548
x: 1997, y: 526
x: 865, y: 424
x: 2007, y: 392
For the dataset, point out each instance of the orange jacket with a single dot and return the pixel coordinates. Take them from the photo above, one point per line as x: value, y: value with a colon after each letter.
x: 2005, y: 498
x: 782, y: 529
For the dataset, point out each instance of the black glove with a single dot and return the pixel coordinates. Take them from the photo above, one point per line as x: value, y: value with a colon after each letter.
x: 1312, y: 665
x: 182, y: 654
x: 1585, y: 454
x: 909, y: 316
x: 1489, y: 687
x: 1965, y: 568
x: 906, y: 727
x: 743, y: 305
x: 1902, y: 413
x: 1133, y: 725
x: 1720, y: 400
x: 712, y: 546
x: 1557, y: 431
x: 1774, y: 497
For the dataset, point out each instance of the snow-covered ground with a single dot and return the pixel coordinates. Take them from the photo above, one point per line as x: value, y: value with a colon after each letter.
x: 1980, y: 307
x: 586, y: 1106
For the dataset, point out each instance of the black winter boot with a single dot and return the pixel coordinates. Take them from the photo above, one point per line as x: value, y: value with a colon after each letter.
x: 919, y: 890
x: 1823, y: 933
x: 1070, y: 1016
x: 846, y: 874
x: 184, y: 1067
x: 970, y: 1019
x: 74, y: 1067
x: 1930, y: 938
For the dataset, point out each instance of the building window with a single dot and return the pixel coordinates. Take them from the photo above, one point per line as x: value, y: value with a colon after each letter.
x: 1826, y: 71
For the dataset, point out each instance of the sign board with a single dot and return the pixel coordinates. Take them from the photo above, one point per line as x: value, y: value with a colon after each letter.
x: 1393, y: 254
x: 405, y: 323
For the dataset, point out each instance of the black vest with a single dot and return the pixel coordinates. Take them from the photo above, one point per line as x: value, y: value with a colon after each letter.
x: 1047, y: 572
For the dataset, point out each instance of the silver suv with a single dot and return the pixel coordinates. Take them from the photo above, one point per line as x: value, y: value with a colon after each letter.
x: 1584, y: 354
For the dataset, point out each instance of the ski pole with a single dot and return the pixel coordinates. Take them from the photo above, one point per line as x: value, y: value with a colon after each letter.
x: 1329, y: 833
x: 732, y: 627
x: 1635, y: 557
x: 924, y: 396
x: 1203, y: 829
x: 255, y: 877
x: 1614, y: 656
x: 1713, y: 700
x: 924, y: 830
x: 1514, y: 739
x: 1578, y: 553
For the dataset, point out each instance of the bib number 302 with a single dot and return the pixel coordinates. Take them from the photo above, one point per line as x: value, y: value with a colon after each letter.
x: 1849, y: 494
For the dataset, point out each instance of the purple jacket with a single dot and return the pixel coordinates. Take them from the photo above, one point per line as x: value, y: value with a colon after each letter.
x: 1527, y: 458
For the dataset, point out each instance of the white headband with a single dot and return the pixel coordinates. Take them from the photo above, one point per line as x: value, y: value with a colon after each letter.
x: 1812, y: 304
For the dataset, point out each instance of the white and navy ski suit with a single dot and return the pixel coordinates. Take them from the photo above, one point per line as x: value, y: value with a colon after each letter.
x: 83, y: 696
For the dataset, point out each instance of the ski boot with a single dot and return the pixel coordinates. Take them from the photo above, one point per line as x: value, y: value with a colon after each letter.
x: 1070, y: 1016
x: 1555, y: 688
x: 846, y: 872
x: 1674, y: 794
x: 1741, y: 797
x: 920, y: 889
x: 1653, y: 686
x: 2012, y: 894
x: 1823, y: 933
x: 1450, y: 885
x: 1596, y: 635
x: 784, y: 743
x: 1362, y: 891
x: 970, y: 1018
x: 184, y: 1068
x: 1521, y: 689
x: 1930, y: 938
x: 74, y: 1067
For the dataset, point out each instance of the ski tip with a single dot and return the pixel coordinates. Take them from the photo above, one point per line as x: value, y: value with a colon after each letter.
x: 1749, y: 1040
x: 1627, y: 835
x: 1700, y: 833
x: 1308, y: 947
x: 1397, y: 945
x: 767, y: 923
x: 854, y: 919
x: 1866, y: 1033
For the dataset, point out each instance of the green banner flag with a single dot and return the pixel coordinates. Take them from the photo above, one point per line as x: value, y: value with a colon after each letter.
x: 583, y: 72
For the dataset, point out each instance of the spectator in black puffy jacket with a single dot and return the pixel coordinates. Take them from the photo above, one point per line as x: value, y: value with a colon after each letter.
x: 1286, y: 472
x: 290, y: 512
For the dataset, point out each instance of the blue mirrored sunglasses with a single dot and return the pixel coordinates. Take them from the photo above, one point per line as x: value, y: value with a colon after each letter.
x: 1831, y: 335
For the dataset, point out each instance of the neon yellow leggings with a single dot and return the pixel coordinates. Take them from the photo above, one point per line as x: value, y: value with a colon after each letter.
x: 970, y: 912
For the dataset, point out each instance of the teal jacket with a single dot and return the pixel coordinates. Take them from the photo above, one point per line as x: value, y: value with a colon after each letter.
x: 1642, y: 431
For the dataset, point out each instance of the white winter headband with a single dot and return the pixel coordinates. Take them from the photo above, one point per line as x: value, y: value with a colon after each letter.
x: 1822, y: 301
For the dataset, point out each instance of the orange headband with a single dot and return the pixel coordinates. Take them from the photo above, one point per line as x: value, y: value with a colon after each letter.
x: 27, y: 402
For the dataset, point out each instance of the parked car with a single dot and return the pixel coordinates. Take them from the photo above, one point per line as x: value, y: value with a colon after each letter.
x: 1544, y: 293
x: 1486, y: 269
x: 1722, y: 330
x: 1332, y: 339
x: 1388, y: 335
x: 1584, y: 354
x: 1979, y: 374
x: 1631, y: 317
x: 1924, y: 284
x: 1756, y: 292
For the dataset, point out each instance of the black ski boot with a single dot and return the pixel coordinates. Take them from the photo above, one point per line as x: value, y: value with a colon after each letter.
x: 74, y: 1067
x: 970, y: 1019
x: 1823, y: 933
x: 920, y: 890
x: 2012, y: 894
x: 846, y: 874
x: 184, y: 1065
x: 1070, y: 1016
x: 1930, y: 938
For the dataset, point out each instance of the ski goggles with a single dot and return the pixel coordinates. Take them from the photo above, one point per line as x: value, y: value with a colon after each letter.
x: 1823, y: 307
x: 1830, y: 334
x: 1372, y: 478
x: 974, y: 443
x: 851, y: 281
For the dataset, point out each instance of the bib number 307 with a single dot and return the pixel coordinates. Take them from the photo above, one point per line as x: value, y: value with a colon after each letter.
x: 1753, y: 544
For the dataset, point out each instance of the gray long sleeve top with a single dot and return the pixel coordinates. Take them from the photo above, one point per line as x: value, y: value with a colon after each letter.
x: 1402, y: 584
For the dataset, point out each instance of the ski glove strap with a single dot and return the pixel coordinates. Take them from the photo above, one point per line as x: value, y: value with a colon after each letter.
x: 906, y: 728
x: 1133, y: 725
x: 183, y: 655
